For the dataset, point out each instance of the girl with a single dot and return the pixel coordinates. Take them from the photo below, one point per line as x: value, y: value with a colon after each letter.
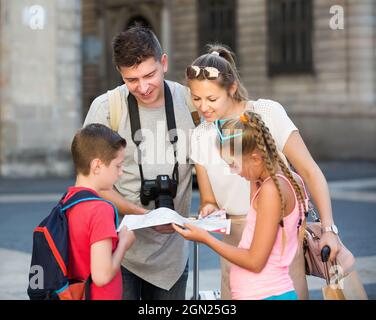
x: 217, y: 93
x: 270, y: 238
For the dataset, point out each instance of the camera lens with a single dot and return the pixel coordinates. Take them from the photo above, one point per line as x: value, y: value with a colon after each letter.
x: 165, y: 201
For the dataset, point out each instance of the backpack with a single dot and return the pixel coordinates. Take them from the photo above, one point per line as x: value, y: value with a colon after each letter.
x: 50, y: 255
x: 115, y: 108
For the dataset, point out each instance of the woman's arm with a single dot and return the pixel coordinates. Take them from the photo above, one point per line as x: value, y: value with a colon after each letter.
x: 266, y: 230
x: 123, y: 206
x: 299, y: 156
x: 208, y: 203
x: 104, y: 264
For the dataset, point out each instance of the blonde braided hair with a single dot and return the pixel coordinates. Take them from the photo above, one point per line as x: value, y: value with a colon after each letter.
x: 257, y: 135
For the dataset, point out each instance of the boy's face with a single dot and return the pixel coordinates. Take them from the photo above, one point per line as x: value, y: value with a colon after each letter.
x: 145, y: 81
x: 109, y: 174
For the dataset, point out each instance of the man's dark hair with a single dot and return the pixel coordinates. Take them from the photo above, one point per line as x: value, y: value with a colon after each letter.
x: 134, y: 46
x: 95, y: 141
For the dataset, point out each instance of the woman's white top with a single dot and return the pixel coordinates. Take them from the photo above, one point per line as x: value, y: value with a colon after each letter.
x: 231, y: 191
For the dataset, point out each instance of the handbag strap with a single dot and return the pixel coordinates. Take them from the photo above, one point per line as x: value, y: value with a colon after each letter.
x: 88, y: 283
x: 306, y: 197
x: 309, y: 206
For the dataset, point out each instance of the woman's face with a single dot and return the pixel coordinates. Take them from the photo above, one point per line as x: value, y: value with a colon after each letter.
x: 212, y: 101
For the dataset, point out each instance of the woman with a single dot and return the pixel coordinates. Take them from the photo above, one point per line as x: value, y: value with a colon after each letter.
x: 218, y: 94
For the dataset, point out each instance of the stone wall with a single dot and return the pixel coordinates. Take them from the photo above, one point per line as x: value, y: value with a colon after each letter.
x: 184, y: 47
x: 40, y: 87
x: 335, y: 107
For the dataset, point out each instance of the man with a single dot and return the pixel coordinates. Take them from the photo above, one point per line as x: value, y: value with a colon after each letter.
x: 156, y: 267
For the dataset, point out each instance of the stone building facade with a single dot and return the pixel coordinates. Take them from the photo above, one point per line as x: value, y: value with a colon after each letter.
x: 333, y: 102
x: 298, y: 52
x: 40, y: 85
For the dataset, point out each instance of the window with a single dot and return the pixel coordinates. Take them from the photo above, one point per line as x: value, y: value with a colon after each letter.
x: 217, y: 23
x: 290, y: 27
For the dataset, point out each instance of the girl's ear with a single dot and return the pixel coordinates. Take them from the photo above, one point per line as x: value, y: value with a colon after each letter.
x: 233, y: 89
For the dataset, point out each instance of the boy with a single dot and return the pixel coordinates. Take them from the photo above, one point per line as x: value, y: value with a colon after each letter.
x: 94, y: 247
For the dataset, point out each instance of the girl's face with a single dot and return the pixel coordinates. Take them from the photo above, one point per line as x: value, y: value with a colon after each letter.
x: 211, y: 100
x: 249, y: 167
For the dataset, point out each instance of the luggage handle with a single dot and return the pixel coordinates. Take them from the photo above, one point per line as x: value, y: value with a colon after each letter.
x: 325, y: 253
x: 196, y: 286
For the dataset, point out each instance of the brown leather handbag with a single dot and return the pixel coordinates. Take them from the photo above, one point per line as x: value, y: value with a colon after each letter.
x: 341, y: 266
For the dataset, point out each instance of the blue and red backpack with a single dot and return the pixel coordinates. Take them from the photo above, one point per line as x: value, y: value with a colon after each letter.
x: 48, y: 276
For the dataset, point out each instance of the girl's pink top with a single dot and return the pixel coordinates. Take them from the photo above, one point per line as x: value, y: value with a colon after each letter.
x: 274, y: 279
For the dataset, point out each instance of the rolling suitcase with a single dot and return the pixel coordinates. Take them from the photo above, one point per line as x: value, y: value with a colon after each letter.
x: 197, y: 294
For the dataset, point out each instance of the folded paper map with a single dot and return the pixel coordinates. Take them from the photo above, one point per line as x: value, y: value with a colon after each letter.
x: 216, y: 222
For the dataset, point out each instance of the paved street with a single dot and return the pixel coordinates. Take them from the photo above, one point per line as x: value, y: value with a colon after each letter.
x: 23, y: 203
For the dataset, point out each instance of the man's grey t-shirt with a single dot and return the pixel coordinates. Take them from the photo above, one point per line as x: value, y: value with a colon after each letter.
x: 157, y: 258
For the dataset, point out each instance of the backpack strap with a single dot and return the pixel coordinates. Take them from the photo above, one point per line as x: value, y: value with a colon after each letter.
x: 81, y: 196
x: 306, y: 197
x: 186, y: 92
x: 194, y: 113
x: 86, y: 195
x: 114, y: 101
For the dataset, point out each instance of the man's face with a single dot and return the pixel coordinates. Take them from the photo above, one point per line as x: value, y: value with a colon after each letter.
x: 145, y: 81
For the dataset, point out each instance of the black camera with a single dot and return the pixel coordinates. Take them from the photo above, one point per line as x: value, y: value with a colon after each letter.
x: 162, y: 190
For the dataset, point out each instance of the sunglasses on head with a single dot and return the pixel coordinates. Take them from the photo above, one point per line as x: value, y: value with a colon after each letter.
x: 209, y: 73
x: 222, y: 137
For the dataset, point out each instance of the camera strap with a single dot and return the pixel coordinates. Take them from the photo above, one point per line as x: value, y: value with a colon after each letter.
x: 134, y: 117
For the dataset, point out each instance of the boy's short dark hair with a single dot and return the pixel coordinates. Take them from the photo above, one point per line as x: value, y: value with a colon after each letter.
x: 134, y: 46
x: 95, y: 141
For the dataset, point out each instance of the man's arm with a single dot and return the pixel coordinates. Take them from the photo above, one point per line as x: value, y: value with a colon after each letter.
x: 127, y: 207
x: 123, y: 206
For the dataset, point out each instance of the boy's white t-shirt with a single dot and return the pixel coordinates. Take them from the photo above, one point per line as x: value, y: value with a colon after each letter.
x: 231, y: 191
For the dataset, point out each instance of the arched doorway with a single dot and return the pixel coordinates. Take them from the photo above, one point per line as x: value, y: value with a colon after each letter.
x: 137, y: 20
x: 101, y: 21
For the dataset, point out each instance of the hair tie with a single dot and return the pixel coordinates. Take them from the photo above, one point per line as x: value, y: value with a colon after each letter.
x: 216, y: 53
x: 244, y: 118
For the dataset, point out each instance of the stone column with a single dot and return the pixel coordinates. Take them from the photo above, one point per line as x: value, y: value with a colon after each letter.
x: 166, y: 32
x: 41, y: 81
